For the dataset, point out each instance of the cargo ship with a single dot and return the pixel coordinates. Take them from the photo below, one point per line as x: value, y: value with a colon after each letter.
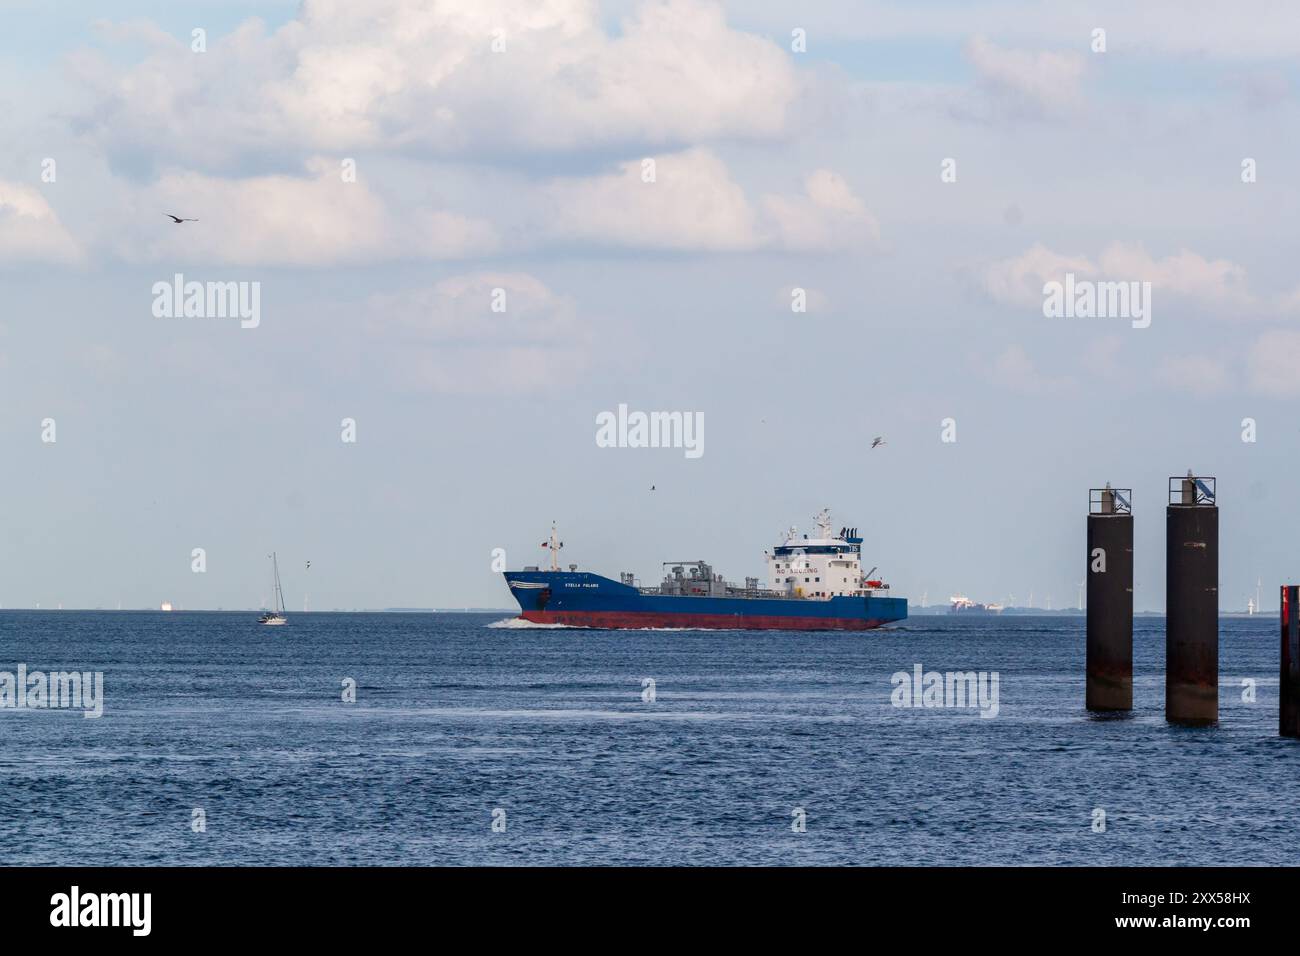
x: 961, y: 604
x: 813, y: 584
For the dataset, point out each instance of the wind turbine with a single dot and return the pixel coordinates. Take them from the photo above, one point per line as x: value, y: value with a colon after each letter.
x: 1081, y: 584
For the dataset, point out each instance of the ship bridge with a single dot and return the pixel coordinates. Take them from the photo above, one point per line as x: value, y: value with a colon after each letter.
x: 822, y: 566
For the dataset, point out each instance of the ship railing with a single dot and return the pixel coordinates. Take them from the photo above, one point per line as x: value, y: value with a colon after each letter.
x: 755, y: 592
x: 1192, y: 490
x: 730, y: 591
x: 1110, y: 501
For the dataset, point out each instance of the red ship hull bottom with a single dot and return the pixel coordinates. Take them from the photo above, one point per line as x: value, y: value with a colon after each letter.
x: 635, y: 620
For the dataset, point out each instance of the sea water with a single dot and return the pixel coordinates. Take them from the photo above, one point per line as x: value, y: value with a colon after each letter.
x: 222, y: 742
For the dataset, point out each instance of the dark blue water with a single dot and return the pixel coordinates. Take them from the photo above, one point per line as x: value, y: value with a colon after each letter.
x: 455, y: 719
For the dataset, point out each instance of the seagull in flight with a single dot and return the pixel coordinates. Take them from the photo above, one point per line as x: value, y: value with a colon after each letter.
x: 877, y: 441
x: 177, y: 219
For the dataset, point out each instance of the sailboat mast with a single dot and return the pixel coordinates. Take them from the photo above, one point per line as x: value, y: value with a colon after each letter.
x: 279, y: 594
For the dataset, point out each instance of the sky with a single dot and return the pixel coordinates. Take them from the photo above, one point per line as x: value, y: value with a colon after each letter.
x: 474, y: 228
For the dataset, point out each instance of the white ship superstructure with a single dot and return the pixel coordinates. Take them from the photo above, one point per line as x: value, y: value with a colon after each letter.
x: 961, y: 604
x: 823, y: 566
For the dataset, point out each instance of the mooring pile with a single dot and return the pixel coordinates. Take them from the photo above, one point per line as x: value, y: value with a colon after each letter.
x: 1191, y: 607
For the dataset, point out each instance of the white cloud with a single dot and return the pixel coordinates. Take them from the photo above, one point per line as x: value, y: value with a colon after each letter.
x: 447, y: 338
x: 693, y: 204
x: 1218, y: 284
x: 1027, y: 83
x: 1266, y: 30
x: 1185, y: 272
x: 30, y: 230
x: 393, y: 74
x: 312, y: 220
x: 829, y: 216
x: 1020, y: 279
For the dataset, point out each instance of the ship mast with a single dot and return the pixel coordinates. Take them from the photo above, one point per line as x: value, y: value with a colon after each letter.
x: 554, y: 546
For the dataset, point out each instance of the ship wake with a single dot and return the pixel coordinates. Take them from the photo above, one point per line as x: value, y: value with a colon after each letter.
x: 512, y: 623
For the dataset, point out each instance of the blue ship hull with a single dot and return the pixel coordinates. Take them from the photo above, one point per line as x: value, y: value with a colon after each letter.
x: 583, y: 599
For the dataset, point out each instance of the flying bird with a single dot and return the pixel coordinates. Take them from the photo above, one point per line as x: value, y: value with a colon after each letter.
x: 877, y: 441
x: 177, y: 219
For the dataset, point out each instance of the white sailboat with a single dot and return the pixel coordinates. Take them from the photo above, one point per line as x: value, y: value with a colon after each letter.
x: 276, y: 615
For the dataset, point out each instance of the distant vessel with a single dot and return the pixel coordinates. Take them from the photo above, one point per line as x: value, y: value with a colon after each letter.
x: 276, y: 615
x: 166, y: 606
x: 961, y: 604
x: 813, y: 584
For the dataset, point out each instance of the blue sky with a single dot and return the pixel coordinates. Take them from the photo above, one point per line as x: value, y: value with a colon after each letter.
x: 521, y: 170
